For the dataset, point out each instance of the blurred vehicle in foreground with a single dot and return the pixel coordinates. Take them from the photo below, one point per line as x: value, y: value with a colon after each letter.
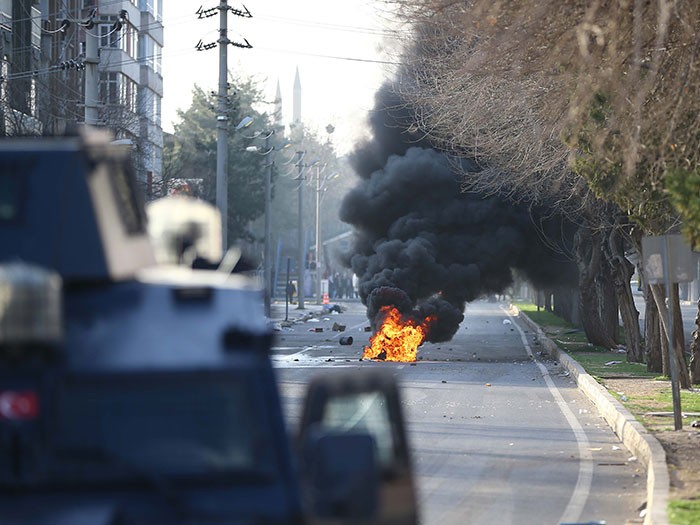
x: 138, y: 392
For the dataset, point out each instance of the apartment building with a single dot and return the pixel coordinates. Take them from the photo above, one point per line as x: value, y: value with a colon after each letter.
x: 45, y: 52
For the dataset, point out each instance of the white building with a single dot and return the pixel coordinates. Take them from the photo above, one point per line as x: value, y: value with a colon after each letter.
x: 43, y: 48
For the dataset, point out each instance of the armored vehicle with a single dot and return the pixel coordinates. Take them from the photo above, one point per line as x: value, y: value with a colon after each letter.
x: 133, y: 392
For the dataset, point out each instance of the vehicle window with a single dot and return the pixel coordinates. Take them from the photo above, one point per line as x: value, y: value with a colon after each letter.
x: 164, y: 426
x: 366, y: 412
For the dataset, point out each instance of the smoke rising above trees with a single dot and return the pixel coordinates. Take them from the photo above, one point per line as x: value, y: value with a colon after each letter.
x: 426, y: 246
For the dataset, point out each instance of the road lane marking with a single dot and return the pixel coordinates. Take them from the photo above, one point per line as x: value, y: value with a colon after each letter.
x: 582, y: 490
x: 295, y: 354
x: 351, y: 329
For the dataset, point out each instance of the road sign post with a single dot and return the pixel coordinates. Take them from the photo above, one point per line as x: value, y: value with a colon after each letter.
x: 668, y: 260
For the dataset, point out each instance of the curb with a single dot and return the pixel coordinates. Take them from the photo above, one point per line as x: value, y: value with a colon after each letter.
x: 630, y: 431
x: 299, y: 316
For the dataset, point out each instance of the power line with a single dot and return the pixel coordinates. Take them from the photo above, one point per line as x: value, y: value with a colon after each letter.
x: 186, y: 51
x: 145, y: 59
x: 331, y: 57
x: 391, y: 33
x: 72, y: 15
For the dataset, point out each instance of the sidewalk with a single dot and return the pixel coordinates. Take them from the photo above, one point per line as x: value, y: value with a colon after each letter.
x: 280, y: 312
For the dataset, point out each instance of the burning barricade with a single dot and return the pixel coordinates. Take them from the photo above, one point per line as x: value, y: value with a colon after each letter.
x: 397, y: 337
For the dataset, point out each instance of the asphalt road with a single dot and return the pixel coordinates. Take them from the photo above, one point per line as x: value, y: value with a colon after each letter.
x: 497, y: 436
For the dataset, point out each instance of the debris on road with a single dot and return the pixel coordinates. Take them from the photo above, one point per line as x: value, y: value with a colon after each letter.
x: 333, y: 308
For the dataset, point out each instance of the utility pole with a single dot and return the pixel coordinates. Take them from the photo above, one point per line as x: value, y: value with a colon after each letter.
x: 267, y: 263
x: 267, y: 258
x: 302, y: 258
x: 318, y: 235
x: 329, y: 129
x: 91, y: 73
x: 222, y: 126
x: 222, y: 117
x: 92, y: 60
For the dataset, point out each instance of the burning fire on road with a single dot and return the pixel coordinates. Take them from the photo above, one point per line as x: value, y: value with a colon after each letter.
x: 397, y: 337
x: 424, y: 245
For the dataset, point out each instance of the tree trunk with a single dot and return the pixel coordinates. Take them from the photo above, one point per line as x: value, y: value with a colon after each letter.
x: 566, y: 303
x: 695, y: 351
x: 676, y: 352
x: 679, y: 336
x: 665, y: 365
x: 588, y: 253
x: 652, y: 333
x: 548, y: 299
x: 630, y: 320
x: 609, y: 306
x: 622, y: 270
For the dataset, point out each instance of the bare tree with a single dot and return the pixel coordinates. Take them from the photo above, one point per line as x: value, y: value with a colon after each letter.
x: 474, y: 98
x: 563, y: 101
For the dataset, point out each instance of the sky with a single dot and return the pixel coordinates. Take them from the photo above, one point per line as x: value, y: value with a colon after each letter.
x: 340, y: 47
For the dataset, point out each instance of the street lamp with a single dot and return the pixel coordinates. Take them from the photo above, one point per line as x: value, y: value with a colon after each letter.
x: 267, y: 267
x: 300, y: 239
x: 320, y: 188
x: 222, y: 171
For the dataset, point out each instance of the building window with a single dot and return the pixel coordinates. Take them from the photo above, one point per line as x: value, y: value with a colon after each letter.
x: 116, y: 88
x: 128, y: 93
x: 156, y: 110
x: 32, y: 97
x: 151, y: 106
x: 109, y: 87
x: 155, y: 7
x: 4, y: 71
x: 125, y: 38
x: 151, y: 53
x: 108, y: 36
x: 130, y: 40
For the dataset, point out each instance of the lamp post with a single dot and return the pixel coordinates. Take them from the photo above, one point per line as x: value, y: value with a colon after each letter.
x: 267, y: 267
x: 329, y: 129
x: 302, y: 256
x: 300, y: 238
x: 320, y: 188
x: 318, y: 235
x: 266, y: 241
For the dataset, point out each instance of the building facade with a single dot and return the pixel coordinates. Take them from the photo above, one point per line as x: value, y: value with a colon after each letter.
x: 46, y: 81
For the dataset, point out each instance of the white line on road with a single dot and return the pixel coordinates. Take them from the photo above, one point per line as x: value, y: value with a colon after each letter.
x: 352, y: 329
x: 295, y: 354
x: 578, y: 499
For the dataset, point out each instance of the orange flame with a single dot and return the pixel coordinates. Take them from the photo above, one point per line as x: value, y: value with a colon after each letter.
x: 397, y: 339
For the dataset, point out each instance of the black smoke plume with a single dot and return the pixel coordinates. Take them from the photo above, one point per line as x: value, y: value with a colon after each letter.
x: 424, y: 245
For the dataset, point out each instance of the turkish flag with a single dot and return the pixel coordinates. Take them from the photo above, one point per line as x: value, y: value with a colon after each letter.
x: 22, y: 405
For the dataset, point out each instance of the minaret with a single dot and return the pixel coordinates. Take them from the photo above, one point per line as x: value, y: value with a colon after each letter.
x: 277, y: 117
x: 296, y: 103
